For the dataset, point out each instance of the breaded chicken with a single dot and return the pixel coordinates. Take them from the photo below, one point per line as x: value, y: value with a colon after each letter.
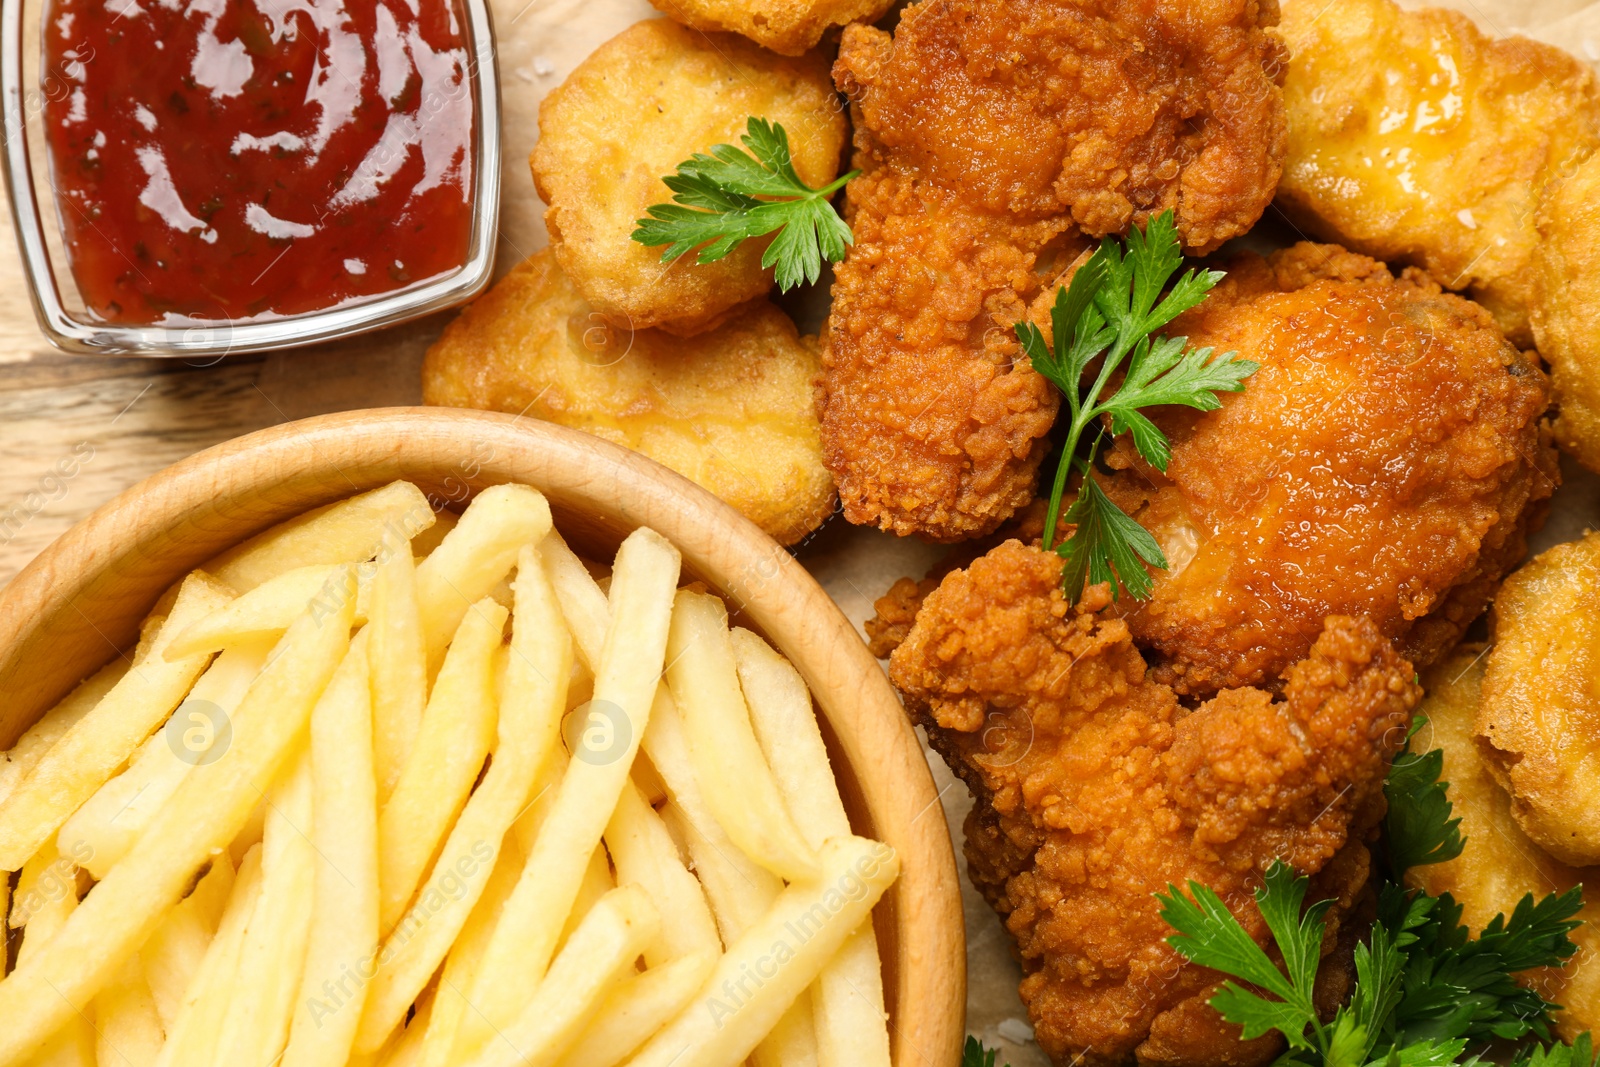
x: 989, y: 135
x: 788, y: 27
x: 1566, y: 313
x: 642, y: 103
x: 1415, y: 138
x: 1539, y: 723
x: 730, y: 409
x: 1499, y: 865
x: 1096, y: 789
x: 1386, y: 461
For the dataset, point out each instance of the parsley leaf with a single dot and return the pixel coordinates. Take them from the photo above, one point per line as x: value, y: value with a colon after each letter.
x: 1458, y: 986
x: 1580, y: 1053
x: 975, y: 1055
x: 1418, y: 829
x: 1209, y: 935
x: 722, y: 199
x: 1108, y: 312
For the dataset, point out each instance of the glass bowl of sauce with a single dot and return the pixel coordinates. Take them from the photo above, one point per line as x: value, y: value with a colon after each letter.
x: 197, y: 177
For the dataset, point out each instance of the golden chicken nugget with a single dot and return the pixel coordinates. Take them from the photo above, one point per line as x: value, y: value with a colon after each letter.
x: 1415, y: 138
x: 1540, y: 720
x: 1499, y: 865
x: 789, y: 27
x: 1566, y: 317
x: 645, y: 101
x: 731, y: 409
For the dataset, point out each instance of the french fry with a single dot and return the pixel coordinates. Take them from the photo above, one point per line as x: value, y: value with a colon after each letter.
x: 457, y: 730
x: 72, y: 1044
x: 768, y: 968
x: 734, y: 777
x: 639, y: 1006
x: 46, y: 879
x: 433, y: 1048
x: 628, y: 675
x: 263, y: 613
x: 600, y: 954
x: 344, y: 832
x: 175, y: 952
x: 105, y: 738
x: 428, y: 540
x: 532, y: 699
x: 348, y: 531
x: 399, y: 661
x: 740, y: 890
x: 406, y: 1049
x: 203, y: 816
x: 582, y: 603
x: 193, y: 1033
x: 54, y: 724
x: 848, y: 998
x: 474, y: 557
x: 126, y: 1023
x: 109, y: 822
x: 272, y: 959
x: 5, y: 910
x: 644, y: 853
x: 597, y: 882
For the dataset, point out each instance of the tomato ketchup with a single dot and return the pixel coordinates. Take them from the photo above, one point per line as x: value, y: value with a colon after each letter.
x: 227, y: 160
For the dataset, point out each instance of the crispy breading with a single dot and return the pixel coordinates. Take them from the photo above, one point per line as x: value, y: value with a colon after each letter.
x: 1566, y: 315
x: 642, y: 103
x: 730, y: 409
x: 1096, y: 789
x: 988, y: 134
x: 1539, y: 724
x: 1499, y: 865
x: 1416, y: 138
x: 788, y: 27
x: 1386, y: 461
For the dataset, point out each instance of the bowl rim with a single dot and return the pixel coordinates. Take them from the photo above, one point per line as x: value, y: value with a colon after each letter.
x: 69, y: 600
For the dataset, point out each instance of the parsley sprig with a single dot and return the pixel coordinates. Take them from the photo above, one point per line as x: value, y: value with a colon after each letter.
x: 1109, y: 312
x: 1426, y: 989
x: 975, y: 1055
x: 730, y: 195
x: 1419, y: 829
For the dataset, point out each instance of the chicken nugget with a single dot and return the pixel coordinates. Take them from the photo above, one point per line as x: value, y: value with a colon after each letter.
x: 1566, y: 317
x: 645, y: 101
x: 1499, y: 865
x: 1386, y: 461
x: 788, y: 27
x: 1540, y: 720
x: 1415, y: 138
x: 731, y: 409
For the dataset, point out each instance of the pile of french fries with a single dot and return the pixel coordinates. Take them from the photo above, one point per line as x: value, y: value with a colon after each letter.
x: 382, y: 786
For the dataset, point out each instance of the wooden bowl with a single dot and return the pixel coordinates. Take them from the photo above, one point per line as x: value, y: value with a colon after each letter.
x: 80, y: 603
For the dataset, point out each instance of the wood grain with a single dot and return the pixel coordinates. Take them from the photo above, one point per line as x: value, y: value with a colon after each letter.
x: 79, y: 603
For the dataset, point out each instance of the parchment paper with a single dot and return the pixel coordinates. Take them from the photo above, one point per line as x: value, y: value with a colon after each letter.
x: 540, y: 41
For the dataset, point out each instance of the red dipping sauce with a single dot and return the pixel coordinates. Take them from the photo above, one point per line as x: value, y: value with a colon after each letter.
x: 224, y: 160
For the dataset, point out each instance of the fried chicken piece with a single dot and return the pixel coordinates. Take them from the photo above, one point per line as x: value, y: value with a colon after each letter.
x: 1499, y: 864
x: 1539, y: 724
x: 730, y: 410
x: 1566, y: 314
x: 1096, y: 789
x: 1387, y: 461
x: 989, y: 135
x: 1415, y: 138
